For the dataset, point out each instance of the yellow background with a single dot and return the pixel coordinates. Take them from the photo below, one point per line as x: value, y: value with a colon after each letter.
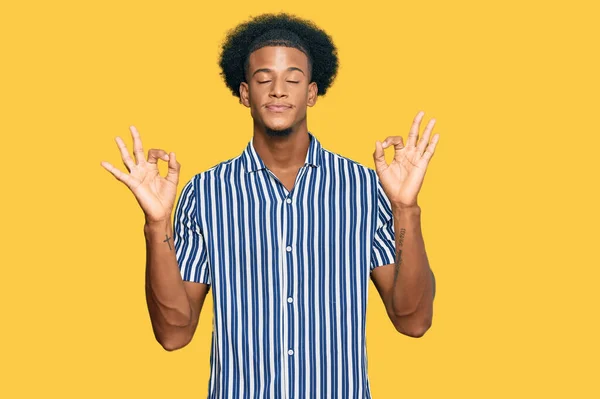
x: 510, y: 199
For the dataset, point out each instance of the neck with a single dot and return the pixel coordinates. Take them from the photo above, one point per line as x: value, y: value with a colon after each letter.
x: 282, y: 152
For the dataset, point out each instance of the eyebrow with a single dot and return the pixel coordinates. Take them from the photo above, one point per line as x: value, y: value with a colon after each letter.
x: 270, y: 70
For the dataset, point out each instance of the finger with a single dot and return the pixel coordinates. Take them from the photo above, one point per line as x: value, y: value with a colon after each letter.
x: 174, y: 167
x: 123, y: 177
x: 379, y: 157
x: 155, y: 154
x: 425, y: 139
x: 413, y: 135
x: 125, y: 154
x: 431, y: 147
x: 138, y: 150
x: 398, y: 144
x: 396, y: 141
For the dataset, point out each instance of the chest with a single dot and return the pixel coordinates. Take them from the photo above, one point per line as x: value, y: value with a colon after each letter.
x: 290, y: 228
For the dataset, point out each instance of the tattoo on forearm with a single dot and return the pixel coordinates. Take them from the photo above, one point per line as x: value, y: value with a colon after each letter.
x: 402, y: 231
x: 397, y: 266
x: 399, y: 255
x: 167, y: 240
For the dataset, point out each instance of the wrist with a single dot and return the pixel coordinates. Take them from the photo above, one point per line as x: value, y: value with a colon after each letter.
x: 405, y: 208
x: 157, y: 226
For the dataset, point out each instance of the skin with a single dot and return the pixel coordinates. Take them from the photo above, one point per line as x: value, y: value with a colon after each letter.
x: 407, y: 287
x: 278, y: 74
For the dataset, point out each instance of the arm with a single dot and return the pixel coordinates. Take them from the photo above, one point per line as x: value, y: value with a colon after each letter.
x: 174, y: 305
x: 407, y: 287
x: 408, y: 293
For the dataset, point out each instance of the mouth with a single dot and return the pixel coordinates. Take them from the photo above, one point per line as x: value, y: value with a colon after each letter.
x: 278, y: 108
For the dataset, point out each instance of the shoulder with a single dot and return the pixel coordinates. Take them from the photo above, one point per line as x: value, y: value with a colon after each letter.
x: 220, y: 167
x: 199, y: 184
x: 214, y: 171
x: 331, y: 158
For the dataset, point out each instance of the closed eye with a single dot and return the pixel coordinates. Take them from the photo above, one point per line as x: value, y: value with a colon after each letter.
x: 289, y: 81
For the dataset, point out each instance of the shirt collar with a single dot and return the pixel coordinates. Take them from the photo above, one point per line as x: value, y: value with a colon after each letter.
x: 253, y: 162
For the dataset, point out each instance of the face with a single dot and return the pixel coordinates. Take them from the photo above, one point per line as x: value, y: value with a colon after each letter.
x: 278, y: 89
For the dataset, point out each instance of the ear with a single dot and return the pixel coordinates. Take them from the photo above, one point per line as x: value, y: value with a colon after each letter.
x: 244, y: 94
x: 313, y: 91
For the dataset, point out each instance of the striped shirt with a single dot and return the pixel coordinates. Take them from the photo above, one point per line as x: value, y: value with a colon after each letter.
x: 289, y: 272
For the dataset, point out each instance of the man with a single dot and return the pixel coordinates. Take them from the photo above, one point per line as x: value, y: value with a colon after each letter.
x: 287, y: 233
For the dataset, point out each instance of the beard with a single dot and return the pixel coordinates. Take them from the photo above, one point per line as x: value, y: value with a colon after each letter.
x: 278, y: 133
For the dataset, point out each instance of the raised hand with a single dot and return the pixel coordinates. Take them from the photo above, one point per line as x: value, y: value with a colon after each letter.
x: 403, y: 177
x: 155, y: 194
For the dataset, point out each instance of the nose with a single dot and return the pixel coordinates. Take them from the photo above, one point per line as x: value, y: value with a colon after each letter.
x: 278, y: 88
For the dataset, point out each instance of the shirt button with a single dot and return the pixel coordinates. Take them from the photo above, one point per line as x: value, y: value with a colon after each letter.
x: 289, y: 249
x: 290, y: 300
x: 289, y: 200
x: 290, y: 352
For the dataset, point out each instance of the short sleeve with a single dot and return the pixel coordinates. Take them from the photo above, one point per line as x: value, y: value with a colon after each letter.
x: 188, y: 239
x: 384, y: 246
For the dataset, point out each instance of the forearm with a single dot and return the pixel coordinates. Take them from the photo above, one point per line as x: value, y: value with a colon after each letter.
x: 167, y: 300
x: 413, y: 280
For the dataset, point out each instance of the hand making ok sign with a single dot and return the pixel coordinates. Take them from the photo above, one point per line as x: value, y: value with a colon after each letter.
x: 155, y: 194
x: 403, y: 177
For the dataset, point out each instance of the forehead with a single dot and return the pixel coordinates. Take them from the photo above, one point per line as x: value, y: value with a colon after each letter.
x: 277, y: 57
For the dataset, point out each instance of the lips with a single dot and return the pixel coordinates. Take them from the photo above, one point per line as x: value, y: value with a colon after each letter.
x: 278, y: 107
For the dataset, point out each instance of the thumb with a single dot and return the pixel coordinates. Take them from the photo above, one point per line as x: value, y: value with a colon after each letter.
x: 379, y: 157
x: 174, y: 167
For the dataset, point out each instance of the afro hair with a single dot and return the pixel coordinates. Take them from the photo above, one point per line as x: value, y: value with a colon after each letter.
x: 278, y: 30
